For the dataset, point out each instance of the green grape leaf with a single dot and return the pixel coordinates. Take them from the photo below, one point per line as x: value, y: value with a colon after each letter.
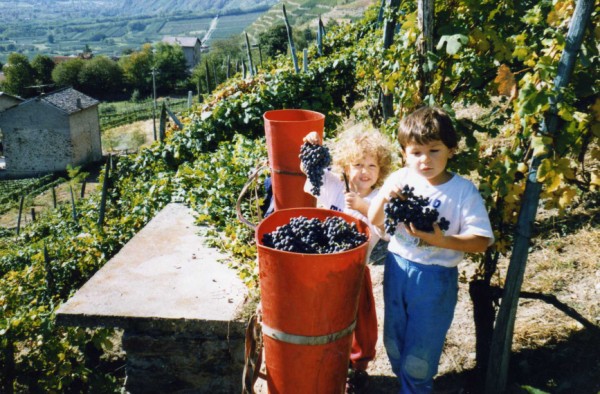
x: 453, y: 43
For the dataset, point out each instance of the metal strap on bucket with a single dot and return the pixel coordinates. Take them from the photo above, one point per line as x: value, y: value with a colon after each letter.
x: 306, y: 340
x: 285, y: 172
x: 238, y: 205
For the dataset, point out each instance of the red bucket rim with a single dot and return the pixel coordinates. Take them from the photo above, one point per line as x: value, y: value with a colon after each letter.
x: 364, y: 228
x: 272, y: 115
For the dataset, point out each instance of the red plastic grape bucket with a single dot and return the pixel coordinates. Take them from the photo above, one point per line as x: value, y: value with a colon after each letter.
x: 284, y: 131
x: 309, y: 304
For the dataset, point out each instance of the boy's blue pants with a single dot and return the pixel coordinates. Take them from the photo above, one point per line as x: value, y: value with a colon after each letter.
x: 419, y: 307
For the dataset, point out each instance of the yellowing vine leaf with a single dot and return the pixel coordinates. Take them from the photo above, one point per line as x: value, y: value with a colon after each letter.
x: 596, y: 109
x: 563, y: 166
x: 555, y: 181
x: 478, y: 40
x: 566, y: 198
x: 540, y: 145
x: 505, y: 79
x: 595, y: 178
x: 544, y: 170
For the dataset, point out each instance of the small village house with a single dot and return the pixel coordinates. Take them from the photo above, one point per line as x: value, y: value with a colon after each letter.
x: 191, y: 46
x: 6, y: 101
x: 46, y: 133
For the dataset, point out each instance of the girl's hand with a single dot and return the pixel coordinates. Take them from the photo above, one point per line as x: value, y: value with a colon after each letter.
x: 355, y: 201
x: 313, y: 138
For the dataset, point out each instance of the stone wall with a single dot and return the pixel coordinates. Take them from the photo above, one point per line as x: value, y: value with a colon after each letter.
x: 85, y: 136
x: 187, y: 360
x: 33, y: 145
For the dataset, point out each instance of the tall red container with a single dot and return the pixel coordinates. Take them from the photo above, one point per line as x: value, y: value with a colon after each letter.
x: 309, y: 304
x: 284, y: 131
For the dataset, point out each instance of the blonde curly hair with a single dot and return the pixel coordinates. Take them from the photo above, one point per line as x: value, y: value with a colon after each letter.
x: 356, y: 143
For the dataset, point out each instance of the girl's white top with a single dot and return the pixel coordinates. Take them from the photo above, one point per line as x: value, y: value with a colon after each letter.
x: 332, y: 197
x: 457, y: 200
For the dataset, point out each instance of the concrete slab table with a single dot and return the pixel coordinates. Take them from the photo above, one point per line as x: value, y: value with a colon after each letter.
x: 178, y: 304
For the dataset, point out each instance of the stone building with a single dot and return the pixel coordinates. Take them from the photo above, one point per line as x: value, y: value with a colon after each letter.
x: 191, y: 48
x: 46, y: 133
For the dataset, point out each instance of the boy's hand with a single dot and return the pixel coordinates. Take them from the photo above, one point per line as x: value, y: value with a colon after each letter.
x: 395, y: 191
x: 312, y: 138
x: 435, y: 238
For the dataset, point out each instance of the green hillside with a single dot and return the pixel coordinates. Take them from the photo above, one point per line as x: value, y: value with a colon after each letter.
x: 110, y: 28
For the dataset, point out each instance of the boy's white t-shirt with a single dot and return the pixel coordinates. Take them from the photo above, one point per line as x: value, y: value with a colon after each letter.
x: 457, y: 200
x: 332, y: 197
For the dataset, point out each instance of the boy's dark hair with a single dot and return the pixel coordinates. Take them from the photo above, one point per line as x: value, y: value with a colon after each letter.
x: 427, y: 124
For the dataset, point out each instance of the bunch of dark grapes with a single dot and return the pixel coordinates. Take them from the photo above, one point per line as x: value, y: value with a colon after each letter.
x: 412, y: 209
x: 313, y: 236
x: 315, y: 159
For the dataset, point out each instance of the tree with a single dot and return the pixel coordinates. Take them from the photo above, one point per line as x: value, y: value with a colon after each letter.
x: 100, y: 76
x: 19, y: 75
x: 274, y: 41
x: 137, y: 68
x: 42, y: 66
x: 67, y: 73
x: 303, y: 38
x: 221, y: 53
x: 170, y: 63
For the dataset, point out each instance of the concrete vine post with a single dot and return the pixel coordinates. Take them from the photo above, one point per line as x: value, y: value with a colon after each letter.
x: 320, y: 31
x: 387, y: 101
x: 291, y: 41
x: 214, y: 69
x: 425, y: 11
x: 162, y: 128
x: 502, y: 339
x: 228, y: 73
x: 104, y: 192
x: 207, y: 78
x: 20, y: 213
x: 249, y: 52
x: 73, y: 205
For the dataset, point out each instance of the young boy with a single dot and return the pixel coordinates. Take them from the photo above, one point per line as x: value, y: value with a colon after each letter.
x: 365, y: 158
x: 420, y: 276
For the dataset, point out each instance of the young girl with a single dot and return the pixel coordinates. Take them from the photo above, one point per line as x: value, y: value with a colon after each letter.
x: 420, y: 282
x: 365, y: 158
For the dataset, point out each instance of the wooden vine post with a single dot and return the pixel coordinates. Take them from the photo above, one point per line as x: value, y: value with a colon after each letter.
x: 502, y: 339
x: 425, y: 10
x: 387, y: 101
